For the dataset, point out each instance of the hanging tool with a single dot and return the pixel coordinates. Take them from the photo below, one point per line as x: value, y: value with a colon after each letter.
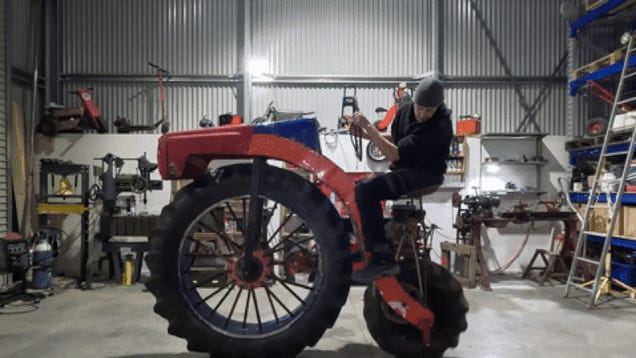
x: 355, y: 133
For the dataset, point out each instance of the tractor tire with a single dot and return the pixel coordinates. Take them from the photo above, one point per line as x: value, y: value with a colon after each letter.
x: 206, y: 329
x: 446, y: 301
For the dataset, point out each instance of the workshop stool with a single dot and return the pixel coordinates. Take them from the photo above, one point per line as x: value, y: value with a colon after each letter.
x: 411, y: 197
x: 550, y: 260
x: 113, y: 253
x: 467, y: 255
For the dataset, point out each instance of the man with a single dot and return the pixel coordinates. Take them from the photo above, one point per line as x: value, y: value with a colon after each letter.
x: 417, y: 148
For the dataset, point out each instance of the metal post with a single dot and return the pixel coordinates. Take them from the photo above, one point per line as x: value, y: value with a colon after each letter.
x: 51, y: 51
x: 244, y: 49
x: 438, y: 36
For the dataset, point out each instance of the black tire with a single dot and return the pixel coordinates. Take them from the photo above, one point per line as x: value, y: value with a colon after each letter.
x: 174, y: 294
x: 47, y: 127
x: 101, y: 126
x: 445, y: 299
x: 165, y: 127
x: 374, y: 153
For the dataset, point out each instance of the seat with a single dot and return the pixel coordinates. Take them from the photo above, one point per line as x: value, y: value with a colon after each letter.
x: 419, y: 193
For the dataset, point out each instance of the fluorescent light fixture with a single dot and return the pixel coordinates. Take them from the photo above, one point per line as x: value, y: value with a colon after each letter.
x: 258, y: 66
x: 492, y: 168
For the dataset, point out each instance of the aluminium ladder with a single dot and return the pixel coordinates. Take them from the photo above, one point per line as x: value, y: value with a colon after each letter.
x: 602, y: 282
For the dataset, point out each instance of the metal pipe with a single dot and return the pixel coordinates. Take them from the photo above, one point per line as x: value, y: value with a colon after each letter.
x: 310, y: 80
x: 438, y: 36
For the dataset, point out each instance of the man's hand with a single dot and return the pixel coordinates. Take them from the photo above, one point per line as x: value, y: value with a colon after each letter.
x: 359, y: 124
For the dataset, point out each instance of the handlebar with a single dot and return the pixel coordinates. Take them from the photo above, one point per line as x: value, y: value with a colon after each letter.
x: 75, y: 92
x: 159, y: 68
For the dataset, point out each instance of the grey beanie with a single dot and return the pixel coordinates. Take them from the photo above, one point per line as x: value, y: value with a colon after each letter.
x: 429, y: 93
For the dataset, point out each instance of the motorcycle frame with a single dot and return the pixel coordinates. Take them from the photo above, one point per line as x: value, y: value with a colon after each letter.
x: 187, y: 154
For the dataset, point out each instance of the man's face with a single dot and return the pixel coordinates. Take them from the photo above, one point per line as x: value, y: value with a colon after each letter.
x: 423, y: 114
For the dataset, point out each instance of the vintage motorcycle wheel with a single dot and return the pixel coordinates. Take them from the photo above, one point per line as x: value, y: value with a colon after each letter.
x: 232, y: 306
x: 445, y: 299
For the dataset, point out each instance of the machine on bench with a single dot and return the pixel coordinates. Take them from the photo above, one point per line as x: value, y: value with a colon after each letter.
x: 114, y: 182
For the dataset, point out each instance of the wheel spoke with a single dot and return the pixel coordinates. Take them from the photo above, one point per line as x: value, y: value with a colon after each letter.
x: 279, y: 301
x: 258, y: 313
x: 247, y: 307
x: 223, y: 298
x: 289, y: 289
x: 271, y: 303
x: 294, y: 284
x: 224, y: 236
x: 214, y: 293
x: 196, y: 247
x: 241, y: 226
x: 219, y: 274
x: 227, y: 321
x: 287, y: 217
x: 294, y: 242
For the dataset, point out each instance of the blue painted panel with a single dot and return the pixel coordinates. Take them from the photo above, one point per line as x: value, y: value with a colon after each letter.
x: 303, y: 130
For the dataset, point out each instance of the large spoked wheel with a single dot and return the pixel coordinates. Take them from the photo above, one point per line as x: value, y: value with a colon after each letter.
x: 445, y: 299
x: 228, y: 303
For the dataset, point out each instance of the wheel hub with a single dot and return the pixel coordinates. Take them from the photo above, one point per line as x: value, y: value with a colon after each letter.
x: 250, y: 271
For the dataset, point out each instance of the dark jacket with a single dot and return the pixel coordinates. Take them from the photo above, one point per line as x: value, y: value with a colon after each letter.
x: 422, y: 147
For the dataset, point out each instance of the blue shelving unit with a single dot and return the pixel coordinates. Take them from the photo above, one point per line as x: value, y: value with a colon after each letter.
x: 596, y: 151
x: 590, y: 16
x: 602, y: 73
x: 593, y: 15
x: 628, y: 198
x: 616, y: 241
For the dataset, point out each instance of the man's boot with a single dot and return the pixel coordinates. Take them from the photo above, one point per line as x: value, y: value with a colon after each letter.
x: 381, y: 264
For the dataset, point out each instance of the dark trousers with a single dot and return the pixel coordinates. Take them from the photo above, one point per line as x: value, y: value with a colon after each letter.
x: 387, y: 186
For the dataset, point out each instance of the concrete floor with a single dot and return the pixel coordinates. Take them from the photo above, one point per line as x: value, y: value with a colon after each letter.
x: 517, y: 319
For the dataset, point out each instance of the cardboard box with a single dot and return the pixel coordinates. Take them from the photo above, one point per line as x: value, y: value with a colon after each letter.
x: 629, y: 221
x: 600, y: 220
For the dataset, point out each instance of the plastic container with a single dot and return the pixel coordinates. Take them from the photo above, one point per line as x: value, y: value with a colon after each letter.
x: 468, y: 124
x: 624, y: 273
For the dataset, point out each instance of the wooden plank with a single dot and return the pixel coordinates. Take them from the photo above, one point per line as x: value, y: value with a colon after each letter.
x: 18, y: 161
x: 607, y: 60
x: 593, y: 4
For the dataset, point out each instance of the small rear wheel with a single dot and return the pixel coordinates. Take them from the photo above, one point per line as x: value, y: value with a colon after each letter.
x: 445, y: 299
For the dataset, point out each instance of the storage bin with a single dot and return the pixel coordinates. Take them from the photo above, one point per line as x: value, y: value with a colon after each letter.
x: 468, y: 125
x: 624, y: 273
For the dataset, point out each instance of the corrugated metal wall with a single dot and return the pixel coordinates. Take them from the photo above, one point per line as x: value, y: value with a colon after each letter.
x: 530, y: 34
x: 21, y: 34
x: 4, y: 120
x: 386, y: 38
x: 121, y: 36
x: 139, y: 103
x: 498, y: 105
x: 186, y: 37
